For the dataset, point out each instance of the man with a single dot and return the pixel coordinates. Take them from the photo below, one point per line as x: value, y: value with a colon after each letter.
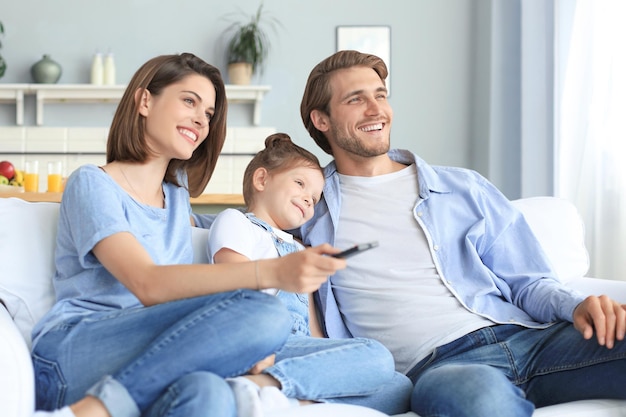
x: 459, y: 288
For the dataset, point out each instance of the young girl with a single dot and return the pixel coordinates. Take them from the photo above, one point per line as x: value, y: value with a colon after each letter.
x: 136, y: 326
x: 281, y: 185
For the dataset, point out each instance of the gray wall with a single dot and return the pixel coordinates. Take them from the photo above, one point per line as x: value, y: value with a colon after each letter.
x: 432, y: 57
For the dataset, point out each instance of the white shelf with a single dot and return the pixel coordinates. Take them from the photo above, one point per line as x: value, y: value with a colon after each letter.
x: 14, y: 93
x: 88, y: 93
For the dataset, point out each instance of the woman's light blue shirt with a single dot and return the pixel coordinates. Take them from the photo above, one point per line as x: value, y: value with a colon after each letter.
x: 95, y: 207
x: 483, y: 248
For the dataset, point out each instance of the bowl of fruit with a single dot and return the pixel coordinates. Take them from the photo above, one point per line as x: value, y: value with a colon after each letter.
x: 11, y: 179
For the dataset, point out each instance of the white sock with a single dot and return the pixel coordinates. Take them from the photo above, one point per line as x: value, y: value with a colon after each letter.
x: 273, y: 398
x: 63, y: 412
x: 246, y: 396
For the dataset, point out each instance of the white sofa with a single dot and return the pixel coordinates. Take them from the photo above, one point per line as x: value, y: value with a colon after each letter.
x: 27, y: 237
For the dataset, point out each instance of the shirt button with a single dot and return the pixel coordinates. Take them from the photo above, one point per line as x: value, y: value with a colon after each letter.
x: 419, y: 214
x: 436, y: 247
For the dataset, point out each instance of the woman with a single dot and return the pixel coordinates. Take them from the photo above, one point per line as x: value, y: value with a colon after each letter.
x: 136, y: 326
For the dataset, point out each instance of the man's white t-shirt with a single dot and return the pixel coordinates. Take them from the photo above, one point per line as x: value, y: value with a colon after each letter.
x: 394, y: 293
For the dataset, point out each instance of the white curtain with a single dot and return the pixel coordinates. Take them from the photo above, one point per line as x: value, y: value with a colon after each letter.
x: 590, y: 125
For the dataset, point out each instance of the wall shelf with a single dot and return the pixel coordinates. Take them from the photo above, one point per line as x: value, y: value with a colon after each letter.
x: 89, y: 93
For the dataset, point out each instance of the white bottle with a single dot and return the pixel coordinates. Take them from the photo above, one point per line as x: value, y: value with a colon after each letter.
x: 97, y: 69
x: 109, y: 69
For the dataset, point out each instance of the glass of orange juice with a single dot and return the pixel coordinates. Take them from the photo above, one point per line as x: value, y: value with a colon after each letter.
x: 55, y: 177
x: 31, y: 176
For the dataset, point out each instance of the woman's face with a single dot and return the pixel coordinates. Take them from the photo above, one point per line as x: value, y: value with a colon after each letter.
x: 177, y: 120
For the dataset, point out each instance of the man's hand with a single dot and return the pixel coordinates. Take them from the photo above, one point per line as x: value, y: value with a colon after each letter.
x: 604, y: 315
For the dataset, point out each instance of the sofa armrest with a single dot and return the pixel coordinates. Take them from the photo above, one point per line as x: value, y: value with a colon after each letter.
x: 597, y: 286
x: 17, y: 384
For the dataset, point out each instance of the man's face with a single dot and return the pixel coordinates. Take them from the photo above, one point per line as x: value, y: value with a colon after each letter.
x: 360, y: 116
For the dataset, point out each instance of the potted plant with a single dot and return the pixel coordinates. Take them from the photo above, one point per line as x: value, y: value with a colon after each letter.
x: 248, y: 46
x: 3, y: 64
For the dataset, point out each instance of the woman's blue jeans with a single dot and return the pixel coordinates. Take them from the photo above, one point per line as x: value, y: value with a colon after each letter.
x: 509, y: 370
x: 165, y: 359
x: 353, y: 371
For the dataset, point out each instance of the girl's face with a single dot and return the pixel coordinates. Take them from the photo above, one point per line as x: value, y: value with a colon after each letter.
x: 285, y: 199
x: 177, y: 120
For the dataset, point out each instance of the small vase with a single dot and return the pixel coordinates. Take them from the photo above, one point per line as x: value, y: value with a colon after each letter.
x: 46, y: 71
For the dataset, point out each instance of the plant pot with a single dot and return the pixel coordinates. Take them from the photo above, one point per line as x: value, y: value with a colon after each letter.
x: 240, y: 73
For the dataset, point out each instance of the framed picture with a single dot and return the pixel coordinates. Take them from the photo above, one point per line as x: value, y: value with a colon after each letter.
x: 374, y: 40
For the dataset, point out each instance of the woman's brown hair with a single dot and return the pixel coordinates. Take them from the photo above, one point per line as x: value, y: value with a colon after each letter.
x: 280, y: 154
x: 127, y: 142
x: 317, y: 93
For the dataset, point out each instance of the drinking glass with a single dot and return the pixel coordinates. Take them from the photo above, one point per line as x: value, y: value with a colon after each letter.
x: 31, y: 176
x: 55, y: 177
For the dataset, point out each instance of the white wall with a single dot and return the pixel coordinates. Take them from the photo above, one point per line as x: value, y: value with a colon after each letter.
x: 433, y: 58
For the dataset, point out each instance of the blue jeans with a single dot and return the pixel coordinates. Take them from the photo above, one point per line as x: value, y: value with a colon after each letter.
x: 354, y: 371
x: 509, y: 370
x: 165, y: 359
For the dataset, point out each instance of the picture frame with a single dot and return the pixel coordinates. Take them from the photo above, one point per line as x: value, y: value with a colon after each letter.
x: 374, y: 40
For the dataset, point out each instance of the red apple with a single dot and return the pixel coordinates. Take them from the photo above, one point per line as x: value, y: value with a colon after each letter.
x: 7, y: 169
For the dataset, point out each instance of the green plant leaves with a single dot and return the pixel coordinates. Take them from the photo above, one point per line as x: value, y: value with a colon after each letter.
x: 250, y: 41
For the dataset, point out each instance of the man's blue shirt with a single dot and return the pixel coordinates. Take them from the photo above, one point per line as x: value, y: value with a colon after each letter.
x: 483, y: 248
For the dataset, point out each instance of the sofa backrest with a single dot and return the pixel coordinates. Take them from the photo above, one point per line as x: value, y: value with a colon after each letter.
x: 27, y: 239
x: 28, y: 235
x: 561, y: 232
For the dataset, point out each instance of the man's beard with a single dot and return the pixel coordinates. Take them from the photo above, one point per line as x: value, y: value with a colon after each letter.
x: 356, y: 147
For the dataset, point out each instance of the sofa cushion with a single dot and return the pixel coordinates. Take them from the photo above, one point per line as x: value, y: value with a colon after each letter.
x: 27, y: 239
x: 561, y: 231
x: 28, y: 234
x: 200, y: 240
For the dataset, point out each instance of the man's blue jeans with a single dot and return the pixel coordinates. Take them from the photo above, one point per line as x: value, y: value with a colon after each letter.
x: 169, y: 359
x: 509, y: 370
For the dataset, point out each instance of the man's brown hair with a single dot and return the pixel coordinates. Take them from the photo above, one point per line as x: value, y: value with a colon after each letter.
x: 317, y: 93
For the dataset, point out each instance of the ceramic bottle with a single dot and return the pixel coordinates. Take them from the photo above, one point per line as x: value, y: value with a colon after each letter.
x: 97, y: 69
x: 109, y: 69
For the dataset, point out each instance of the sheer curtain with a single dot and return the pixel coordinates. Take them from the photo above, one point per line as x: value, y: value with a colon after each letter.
x: 590, y: 125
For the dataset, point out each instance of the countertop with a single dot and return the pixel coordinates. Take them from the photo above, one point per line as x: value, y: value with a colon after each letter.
x: 203, y: 199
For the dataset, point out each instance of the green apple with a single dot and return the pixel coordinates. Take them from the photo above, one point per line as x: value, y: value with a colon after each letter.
x: 4, y: 180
